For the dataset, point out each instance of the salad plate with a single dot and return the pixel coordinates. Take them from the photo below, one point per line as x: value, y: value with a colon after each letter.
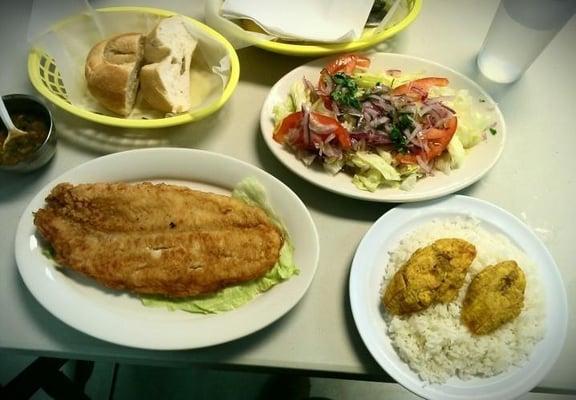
x: 476, y: 162
x: 99, y: 312
x: 366, y: 277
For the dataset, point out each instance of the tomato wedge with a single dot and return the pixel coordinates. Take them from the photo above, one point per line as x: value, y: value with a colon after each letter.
x: 292, y: 121
x: 436, y: 140
x: 328, y: 122
x: 418, y: 89
x: 329, y: 125
x: 347, y: 64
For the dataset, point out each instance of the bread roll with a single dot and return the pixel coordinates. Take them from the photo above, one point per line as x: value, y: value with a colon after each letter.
x: 165, y: 80
x: 111, y: 71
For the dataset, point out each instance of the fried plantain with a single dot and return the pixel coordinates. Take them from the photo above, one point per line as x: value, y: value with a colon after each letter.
x: 495, y: 296
x: 433, y: 274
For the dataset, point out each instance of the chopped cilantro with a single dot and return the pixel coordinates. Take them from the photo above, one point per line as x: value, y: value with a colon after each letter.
x: 398, y: 140
x: 493, y: 131
x: 404, y: 122
x: 397, y: 136
x: 346, y: 91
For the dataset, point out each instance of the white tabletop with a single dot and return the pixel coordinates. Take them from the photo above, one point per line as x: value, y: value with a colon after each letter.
x: 534, y: 180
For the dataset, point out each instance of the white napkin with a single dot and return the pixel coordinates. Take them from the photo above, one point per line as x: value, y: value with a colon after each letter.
x: 304, y: 20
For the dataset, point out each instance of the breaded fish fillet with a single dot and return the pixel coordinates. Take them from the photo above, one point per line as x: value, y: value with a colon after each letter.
x: 157, y: 238
x: 433, y: 274
x: 495, y: 296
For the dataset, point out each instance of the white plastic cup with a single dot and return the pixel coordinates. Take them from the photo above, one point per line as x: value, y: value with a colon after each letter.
x: 521, y: 29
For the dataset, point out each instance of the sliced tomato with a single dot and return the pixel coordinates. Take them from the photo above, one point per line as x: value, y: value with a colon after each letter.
x: 347, y: 64
x: 294, y: 121
x: 436, y: 140
x: 418, y: 89
x: 341, y: 133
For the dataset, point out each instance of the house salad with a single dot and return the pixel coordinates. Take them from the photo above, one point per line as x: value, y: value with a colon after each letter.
x: 385, y: 129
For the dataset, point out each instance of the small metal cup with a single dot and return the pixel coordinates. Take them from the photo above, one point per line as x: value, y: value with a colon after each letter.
x: 29, y: 104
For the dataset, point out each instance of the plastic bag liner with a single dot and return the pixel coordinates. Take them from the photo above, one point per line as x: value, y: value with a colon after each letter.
x: 241, y: 38
x: 67, y: 30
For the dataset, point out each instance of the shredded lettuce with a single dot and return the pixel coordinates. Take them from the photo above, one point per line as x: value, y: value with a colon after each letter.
x: 251, y: 192
x: 409, y: 183
x: 369, y: 80
x: 456, y: 152
x: 451, y: 159
x: 471, y: 122
x: 282, y: 110
x: 297, y: 96
x: 373, y: 170
x: 333, y: 165
x: 442, y: 163
x: 300, y: 94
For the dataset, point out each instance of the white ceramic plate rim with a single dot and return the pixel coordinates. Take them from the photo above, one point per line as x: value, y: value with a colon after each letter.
x: 120, y: 318
x: 366, y: 277
x: 478, y: 162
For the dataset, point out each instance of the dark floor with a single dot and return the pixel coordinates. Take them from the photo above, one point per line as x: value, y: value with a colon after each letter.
x: 110, y: 381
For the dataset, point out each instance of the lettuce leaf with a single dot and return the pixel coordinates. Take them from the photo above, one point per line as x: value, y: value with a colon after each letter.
x: 472, y: 123
x: 297, y: 96
x: 369, y: 80
x: 374, y: 170
x: 457, y: 152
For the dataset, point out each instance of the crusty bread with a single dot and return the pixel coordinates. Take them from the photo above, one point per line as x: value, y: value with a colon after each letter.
x: 111, y: 71
x: 165, y: 80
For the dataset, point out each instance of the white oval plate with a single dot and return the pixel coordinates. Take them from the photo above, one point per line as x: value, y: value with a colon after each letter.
x: 478, y: 162
x: 100, y: 312
x: 366, y: 276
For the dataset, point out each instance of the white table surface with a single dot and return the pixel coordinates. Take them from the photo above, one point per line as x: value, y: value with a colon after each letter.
x: 534, y: 180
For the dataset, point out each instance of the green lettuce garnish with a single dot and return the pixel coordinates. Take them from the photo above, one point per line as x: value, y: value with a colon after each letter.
x: 373, y: 170
x: 297, y: 96
x: 472, y: 123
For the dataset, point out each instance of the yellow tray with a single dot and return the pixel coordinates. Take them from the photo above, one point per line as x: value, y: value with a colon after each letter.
x: 44, y: 75
x: 368, y: 39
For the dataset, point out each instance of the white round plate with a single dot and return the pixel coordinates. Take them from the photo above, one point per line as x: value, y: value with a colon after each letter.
x: 366, y: 276
x: 120, y: 318
x: 480, y: 159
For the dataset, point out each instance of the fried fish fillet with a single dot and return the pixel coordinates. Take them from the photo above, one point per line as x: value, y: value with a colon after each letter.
x: 433, y: 274
x: 157, y: 238
x: 495, y: 296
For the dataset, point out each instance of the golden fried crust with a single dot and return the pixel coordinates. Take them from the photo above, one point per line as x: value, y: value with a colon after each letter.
x: 433, y: 274
x: 157, y: 238
x: 495, y: 296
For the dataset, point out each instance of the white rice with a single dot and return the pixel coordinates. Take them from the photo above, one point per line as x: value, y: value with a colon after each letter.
x: 434, y: 343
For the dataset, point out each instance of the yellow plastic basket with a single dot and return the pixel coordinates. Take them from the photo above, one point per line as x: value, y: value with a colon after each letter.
x: 44, y: 75
x: 368, y: 39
